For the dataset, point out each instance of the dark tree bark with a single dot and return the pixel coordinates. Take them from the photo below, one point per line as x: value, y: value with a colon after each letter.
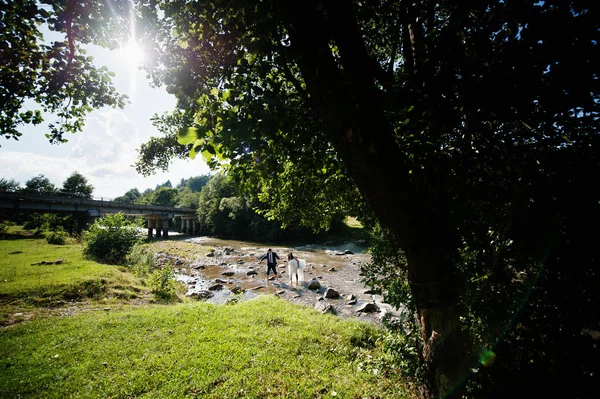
x: 350, y: 106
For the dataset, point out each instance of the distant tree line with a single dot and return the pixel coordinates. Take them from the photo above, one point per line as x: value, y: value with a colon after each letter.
x: 224, y: 210
x: 76, y: 184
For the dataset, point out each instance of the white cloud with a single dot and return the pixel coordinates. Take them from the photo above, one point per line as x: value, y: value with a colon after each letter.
x: 104, y: 153
x: 108, y: 181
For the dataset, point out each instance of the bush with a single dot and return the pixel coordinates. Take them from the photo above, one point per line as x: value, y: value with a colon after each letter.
x: 111, y: 238
x: 141, y: 260
x: 58, y: 237
x: 5, y: 225
x: 162, y: 283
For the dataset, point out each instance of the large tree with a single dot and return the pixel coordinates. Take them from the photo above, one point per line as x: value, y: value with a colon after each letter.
x: 78, y: 184
x: 459, y: 125
x: 469, y: 130
x: 40, y: 184
x: 9, y: 185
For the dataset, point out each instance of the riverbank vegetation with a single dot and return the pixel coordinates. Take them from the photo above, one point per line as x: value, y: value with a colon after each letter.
x: 73, y: 327
x: 37, y: 277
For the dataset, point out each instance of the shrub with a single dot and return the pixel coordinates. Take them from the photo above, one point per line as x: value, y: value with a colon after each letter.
x: 5, y: 225
x: 111, y: 238
x: 58, y: 237
x: 162, y: 283
x: 141, y: 260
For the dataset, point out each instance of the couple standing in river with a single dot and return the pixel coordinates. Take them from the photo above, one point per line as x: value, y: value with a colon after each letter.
x: 295, y: 265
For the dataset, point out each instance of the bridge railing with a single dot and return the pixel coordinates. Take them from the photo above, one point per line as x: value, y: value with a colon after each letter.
x: 70, y: 198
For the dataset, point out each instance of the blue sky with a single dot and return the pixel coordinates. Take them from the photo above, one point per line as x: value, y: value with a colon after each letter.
x: 106, y: 149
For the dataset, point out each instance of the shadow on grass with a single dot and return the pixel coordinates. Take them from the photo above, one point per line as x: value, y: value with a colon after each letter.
x: 22, y: 235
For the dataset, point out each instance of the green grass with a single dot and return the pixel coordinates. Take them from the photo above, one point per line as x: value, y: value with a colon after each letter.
x: 353, y: 223
x: 263, y: 348
x: 24, y: 283
x: 88, y: 339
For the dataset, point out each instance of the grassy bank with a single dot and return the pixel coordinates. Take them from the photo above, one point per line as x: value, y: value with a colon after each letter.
x: 113, y: 346
x: 264, y: 348
x: 30, y: 276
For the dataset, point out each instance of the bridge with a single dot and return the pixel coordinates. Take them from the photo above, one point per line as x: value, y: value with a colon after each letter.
x: 86, y: 210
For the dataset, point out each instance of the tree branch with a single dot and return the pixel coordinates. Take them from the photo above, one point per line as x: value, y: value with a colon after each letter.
x: 281, y: 51
x: 352, y: 108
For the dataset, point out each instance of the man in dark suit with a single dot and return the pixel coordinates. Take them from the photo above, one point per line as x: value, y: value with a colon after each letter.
x: 271, y: 258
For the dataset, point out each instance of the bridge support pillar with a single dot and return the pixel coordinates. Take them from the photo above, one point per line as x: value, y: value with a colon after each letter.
x: 150, y: 227
x: 165, y: 227
x: 184, y: 224
x: 188, y: 225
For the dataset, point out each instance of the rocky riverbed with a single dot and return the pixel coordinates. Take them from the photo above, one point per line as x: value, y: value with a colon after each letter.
x: 219, y: 271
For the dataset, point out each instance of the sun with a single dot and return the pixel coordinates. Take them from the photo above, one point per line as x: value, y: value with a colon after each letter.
x: 133, y: 53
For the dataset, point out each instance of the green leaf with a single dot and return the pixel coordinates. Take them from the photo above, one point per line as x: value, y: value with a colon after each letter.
x: 187, y: 135
x: 207, y: 156
x: 196, y: 148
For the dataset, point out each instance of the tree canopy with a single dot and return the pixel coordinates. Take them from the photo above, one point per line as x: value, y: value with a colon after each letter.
x: 78, y: 184
x: 40, y: 184
x: 56, y: 78
x: 9, y: 185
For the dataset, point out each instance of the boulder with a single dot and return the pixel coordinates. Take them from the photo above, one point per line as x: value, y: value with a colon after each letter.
x: 228, y: 273
x: 331, y: 293
x: 351, y: 302
x: 368, y: 307
x: 221, y: 281
x: 203, y: 294
x: 332, y: 269
x: 237, y: 289
x: 348, y: 252
x: 251, y: 273
x: 215, y: 287
x: 325, y: 307
x: 313, y: 285
x: 210, y: 254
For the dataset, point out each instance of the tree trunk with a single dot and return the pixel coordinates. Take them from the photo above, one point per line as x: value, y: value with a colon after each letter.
x: 351, y: 108
x: 447, y: 351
